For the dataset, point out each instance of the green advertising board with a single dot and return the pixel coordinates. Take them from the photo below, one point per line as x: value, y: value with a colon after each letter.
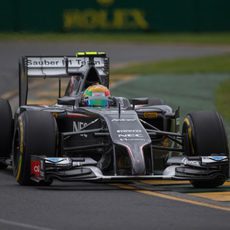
x: 115, y: 15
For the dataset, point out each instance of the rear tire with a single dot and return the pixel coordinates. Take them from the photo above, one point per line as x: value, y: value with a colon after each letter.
x: 205, y: 136
x: 6, y: 124
x: 35, y: 135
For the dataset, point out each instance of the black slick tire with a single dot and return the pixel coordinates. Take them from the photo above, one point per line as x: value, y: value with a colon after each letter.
x: 204, y: 136
x: 35, y: 134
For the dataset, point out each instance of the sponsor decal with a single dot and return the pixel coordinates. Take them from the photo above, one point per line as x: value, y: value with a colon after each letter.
x: 59, y: 161
x: 123, y: 119
x: 218, y: 158
x: 130, y: 135
x: 77, y: 126
x: 185, y: 161
x: 35, y: 168
x: 213, y: 159
x: 132, y: 139
x: 129, y: 131
x: 116, y: 19
x: 152, y: 115
x: 59, y: 62
x: 55, y: 159
x: 43, y: 62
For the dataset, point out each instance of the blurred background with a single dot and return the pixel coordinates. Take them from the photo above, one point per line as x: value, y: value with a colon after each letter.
x: 175, y: 50
x: 115, y: 15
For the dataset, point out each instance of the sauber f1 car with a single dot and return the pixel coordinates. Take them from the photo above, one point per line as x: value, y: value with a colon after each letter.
x: 129, y: 139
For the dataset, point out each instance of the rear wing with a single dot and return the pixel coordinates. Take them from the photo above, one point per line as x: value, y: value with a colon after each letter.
x: 63, y: 66
x: 59, y: 67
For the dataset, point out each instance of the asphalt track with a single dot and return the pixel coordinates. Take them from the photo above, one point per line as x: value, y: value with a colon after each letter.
x: 106, y: 206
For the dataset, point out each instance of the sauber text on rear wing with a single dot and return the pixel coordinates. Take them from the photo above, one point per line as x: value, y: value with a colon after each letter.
x: 59, y: 67
x: 63, y: 66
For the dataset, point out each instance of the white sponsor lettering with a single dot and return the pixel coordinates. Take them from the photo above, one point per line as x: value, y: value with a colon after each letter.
x: 42, y: 62
x: 129, y: 131
x: 130, y: 135
x: 59, y: 62
x: 77, y: 126
x: 123, y: 119
x: 132, y: 139
x: 185, y: 161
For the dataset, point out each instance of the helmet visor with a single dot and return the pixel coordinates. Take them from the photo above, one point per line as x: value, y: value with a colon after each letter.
x: 97, y: 101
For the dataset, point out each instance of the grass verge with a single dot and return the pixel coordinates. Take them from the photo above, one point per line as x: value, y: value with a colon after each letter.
x: 193, y: 38
x: 210, y: 64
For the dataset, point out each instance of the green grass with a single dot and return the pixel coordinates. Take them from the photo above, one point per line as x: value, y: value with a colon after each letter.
x: 194, y: 38
x: 210, y: 64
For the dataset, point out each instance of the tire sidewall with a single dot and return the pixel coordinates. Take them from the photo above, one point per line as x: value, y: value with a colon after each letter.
x: 21, y: 163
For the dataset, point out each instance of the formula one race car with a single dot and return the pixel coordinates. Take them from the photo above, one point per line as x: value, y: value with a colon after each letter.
x: 88, y: 135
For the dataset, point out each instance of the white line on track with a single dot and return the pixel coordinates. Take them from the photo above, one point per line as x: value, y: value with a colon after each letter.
x: 23, y: 225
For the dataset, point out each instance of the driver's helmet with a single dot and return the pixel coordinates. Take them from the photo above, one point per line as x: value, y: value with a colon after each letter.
x: 96, y: 96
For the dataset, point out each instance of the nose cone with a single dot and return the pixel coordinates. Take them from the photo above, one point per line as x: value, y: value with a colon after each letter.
x: 137, y: 159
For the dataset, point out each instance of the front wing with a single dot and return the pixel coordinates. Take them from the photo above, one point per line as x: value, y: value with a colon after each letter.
x: 85, y: 169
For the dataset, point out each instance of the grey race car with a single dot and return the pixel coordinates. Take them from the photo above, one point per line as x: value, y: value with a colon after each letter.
x: 132, y: 139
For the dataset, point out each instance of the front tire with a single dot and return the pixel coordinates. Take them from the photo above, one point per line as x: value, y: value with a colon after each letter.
x: 204, y: 136
x: 35, y: 135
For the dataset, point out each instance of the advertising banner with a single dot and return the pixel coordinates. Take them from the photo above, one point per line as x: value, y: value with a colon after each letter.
x: 115, y: 15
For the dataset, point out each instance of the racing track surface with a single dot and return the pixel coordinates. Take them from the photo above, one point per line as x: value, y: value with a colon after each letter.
x: 101, y: 206
x: 140, y: 205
